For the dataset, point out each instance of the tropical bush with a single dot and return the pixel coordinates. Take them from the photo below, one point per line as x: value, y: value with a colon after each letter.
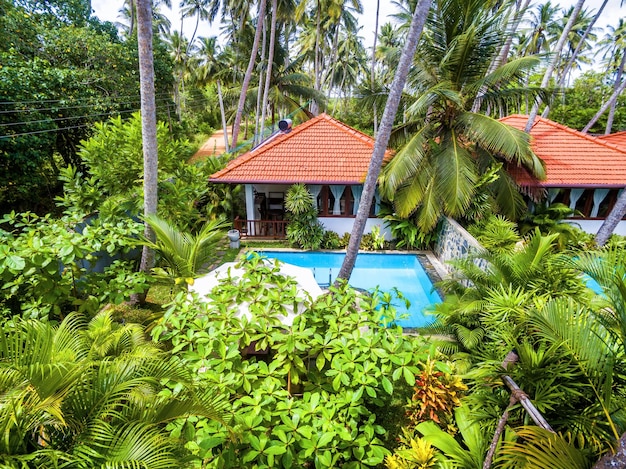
x: 49, y: 267
x: 331, y: 240
x: 184, y: 256
x: 406, y: 233
x: 304, y: 230
x: 92, y: 395
x: 305, y: 393
x: 110, y: 182
x: 569, y: 344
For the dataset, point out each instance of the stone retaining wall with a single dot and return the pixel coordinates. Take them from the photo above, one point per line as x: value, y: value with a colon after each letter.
x: 454, y: 243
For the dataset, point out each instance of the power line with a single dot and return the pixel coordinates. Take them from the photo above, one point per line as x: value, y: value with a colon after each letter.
x: 110, y: 103
x: 57, y: 129
x: 9, y: 124
x: 134, y: 97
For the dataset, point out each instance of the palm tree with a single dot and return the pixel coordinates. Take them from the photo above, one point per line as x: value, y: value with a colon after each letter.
x: 89, y: 395
x: 148, y: 124
x: 450, y: 146
x: 202, y: 10
x: 184, y: 255
x: 556, y: 58
x: 613, y: 46
x: 248, y: 75
x: 382, y: 139
x: 210, y: 67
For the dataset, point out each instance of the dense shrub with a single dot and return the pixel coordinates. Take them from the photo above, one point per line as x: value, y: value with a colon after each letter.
x: 303, y: 394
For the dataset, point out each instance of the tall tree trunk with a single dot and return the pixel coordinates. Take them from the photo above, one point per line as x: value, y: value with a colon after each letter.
x: 572, y: 59
x: 317, y: 65
x: 554, y: 62
x: 373, y: 68
x: 612, y: 220
x: 257, y: 137
x: 148, y: 124
x: 248, y: 76
x: 382, y: 139
x: 220, y: 97
x: 616, y: 93
x: 618, y: 80
x: 270, y: 63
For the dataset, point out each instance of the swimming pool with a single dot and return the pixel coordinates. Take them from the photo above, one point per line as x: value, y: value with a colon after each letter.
x: 387, y: 271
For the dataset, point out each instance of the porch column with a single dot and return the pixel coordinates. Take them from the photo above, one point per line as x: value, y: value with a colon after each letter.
x: 250, y: 215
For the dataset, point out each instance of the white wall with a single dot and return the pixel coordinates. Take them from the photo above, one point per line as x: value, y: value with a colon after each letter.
x: 592, y: 226
x: 344, y: 225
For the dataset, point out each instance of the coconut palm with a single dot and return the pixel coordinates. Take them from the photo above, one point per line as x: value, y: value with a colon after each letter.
x: 184, y: 256
x: 148, y: 124
x: 248, y: 75
x: 613, y: 48
x: 449, y: 146
x: 382, y: 139
x: 202, y: 10
x: 89, y: 395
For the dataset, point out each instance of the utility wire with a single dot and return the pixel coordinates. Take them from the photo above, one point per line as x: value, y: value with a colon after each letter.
x: 35, y: 132
x: 134, y: 97
x: 110, y: 103
x: 10, y: 124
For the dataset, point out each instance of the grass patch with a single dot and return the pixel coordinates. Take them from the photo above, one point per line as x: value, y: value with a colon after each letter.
x: 265, y: 244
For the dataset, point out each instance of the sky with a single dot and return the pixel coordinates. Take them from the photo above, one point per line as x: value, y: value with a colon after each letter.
x: 107, y: 10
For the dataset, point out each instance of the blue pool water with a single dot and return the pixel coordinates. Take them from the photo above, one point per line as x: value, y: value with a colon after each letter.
x: 385, y: 271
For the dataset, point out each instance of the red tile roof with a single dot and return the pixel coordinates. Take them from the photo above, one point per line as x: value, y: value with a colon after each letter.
x: 572, y: 159
x: 321, y: 150
x: 618, y: 139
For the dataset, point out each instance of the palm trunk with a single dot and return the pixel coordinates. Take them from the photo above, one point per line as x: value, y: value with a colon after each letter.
x: 248, y: 76
x: 270, y: 63
x: 384, y: 132
x: 553, y: 63
x: 316, y: 65
x: 148, y: 123
x: 572, y: 60
x: 605, y: 106
x: 257, y: 136
x: 612, y: 220
x: 224, y: 125
x: 373, y: 68
x: 618, y: 80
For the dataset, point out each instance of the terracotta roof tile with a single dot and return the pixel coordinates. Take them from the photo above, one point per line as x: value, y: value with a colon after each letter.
x: 321, y: 150
x: 572, y: 159
x: 618, y: 139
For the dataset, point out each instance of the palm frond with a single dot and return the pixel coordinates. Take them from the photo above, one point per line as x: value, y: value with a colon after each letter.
x: 496, y: 137
x: 537, y: 448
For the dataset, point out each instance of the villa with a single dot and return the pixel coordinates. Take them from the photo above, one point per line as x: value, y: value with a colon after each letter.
x: 584, y: 172
x: 328, y: 156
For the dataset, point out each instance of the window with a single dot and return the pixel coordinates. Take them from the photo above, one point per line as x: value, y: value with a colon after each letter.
x: 326, y: 201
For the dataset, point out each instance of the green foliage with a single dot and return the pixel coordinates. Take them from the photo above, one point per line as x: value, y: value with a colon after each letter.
x: 576, y: 105
x: 92, y: 395
x: 304, y: 230
x: 407, y: 233
x: 331, y: 240
x: 49, y: 267
x: 183, y: 255
x: 373, y: 241
x: 569, y: 343
x: 538, y: 448
x: 496, y: 234
x: 59, y: 75
x: 551, y: 219
x: 114, y: 153
x: 303, y: 394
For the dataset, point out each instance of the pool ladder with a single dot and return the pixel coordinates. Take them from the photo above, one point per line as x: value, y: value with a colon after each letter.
x: 330, y: 276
